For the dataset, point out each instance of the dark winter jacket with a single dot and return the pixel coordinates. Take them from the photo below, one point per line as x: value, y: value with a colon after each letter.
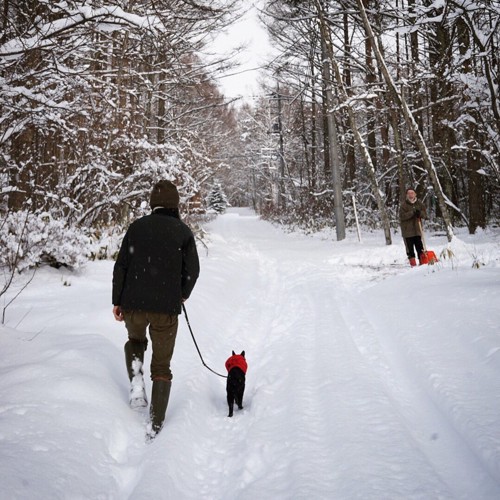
x: 236, y: 361
x: 157, y: 265
x: 409, y: 220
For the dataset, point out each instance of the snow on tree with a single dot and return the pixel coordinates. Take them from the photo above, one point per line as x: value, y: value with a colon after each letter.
x: 442, y: 137
x: 217, y: 200
x: 99, y: 102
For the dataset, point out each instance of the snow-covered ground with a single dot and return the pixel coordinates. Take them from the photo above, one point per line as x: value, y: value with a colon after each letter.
x: 367, y: 379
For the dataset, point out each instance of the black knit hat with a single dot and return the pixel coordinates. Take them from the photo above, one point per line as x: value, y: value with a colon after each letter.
x: 164, y: 194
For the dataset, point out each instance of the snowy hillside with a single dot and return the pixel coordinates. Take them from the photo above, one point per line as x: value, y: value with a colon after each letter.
x: 367, y: 379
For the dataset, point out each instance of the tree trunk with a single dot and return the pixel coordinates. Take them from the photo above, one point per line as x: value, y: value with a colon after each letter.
x: 371, y: 80
x: 314, y: 134
x: 305, y: 143
x: 350, y: 153
x: 403, y: 180
x: 441, y: 108
x: 281, y: 152
x: 475, y: 180
x: 477, y: 212
x: 326, y: 141
x: 415, y: 60
x: 333, y: 146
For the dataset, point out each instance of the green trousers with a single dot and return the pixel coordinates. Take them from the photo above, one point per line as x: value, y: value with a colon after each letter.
x: 162, y: 330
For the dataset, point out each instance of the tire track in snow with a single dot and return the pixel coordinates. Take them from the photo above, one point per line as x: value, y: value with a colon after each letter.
x: 429, y: 424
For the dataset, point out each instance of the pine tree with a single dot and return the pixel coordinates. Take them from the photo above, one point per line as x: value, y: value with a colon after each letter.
x: 217, y: 200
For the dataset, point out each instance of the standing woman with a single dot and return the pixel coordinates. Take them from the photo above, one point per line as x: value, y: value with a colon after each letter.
x: 410, y: 214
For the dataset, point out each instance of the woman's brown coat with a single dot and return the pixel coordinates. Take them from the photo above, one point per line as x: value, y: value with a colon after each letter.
x: 409, y: 220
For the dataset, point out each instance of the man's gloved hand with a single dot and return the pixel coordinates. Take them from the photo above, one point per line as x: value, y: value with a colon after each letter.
x: 417, y: 213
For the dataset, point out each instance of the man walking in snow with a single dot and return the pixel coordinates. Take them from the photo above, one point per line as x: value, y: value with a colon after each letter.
x: 410, y: 214
x: 154, y: 273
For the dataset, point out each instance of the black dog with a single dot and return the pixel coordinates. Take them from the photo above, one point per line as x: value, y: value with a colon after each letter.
x: 236, y: 367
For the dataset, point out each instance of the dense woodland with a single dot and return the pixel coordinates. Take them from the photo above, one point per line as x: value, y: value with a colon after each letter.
x: 347, y: 72
x: 100, y: 98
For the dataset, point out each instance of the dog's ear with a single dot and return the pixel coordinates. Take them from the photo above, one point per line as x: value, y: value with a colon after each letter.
x: 233, y: 353
x: 242, y: 353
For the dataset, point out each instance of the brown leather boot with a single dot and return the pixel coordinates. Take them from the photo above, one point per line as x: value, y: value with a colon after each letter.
x: 159, y: 402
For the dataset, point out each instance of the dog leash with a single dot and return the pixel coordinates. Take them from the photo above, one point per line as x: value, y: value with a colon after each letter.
x: 196, y: 345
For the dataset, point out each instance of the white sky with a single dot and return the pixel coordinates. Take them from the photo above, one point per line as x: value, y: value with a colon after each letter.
x: 243, y: 81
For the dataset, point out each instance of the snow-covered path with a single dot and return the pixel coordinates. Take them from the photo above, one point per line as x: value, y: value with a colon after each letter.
x: 357, y: 387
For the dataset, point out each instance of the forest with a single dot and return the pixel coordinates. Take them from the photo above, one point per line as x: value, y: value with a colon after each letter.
x: 101, y: 98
